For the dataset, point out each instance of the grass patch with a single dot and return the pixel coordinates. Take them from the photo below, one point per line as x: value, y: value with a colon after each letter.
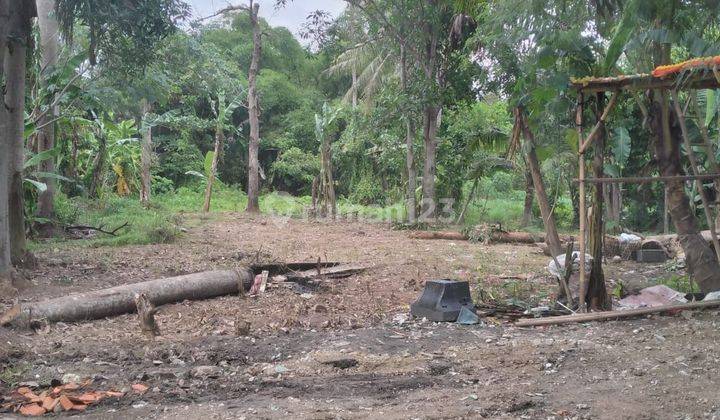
x: 13, y: 374
x: 151, y: 225
x: 680, y: 283
x: 160, y: 222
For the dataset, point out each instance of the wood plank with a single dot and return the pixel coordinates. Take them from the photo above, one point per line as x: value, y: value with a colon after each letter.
x: 611, y: 315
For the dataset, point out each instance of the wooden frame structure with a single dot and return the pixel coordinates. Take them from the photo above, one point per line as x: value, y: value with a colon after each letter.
x: 686, y: 76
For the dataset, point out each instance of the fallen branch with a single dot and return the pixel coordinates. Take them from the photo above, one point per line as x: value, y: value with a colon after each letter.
x: 449, y: 235
x: 121, y: 299
x: 497, y: 236
x: 611, y: 315
x: 97, y: 229
x: 280, y: 268
x: 337, y: 272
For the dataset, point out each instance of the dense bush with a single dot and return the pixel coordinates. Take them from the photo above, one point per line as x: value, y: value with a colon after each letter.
x: 294, y: 171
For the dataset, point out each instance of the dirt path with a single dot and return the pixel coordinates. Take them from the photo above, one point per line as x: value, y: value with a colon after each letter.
x: 347, y: 350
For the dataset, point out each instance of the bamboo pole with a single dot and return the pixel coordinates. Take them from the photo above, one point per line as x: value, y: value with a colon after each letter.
x: 583, y: 216
x: 666, y: 213
x: 610, y: 315
x: 599, y: 124
x: 696, y: 171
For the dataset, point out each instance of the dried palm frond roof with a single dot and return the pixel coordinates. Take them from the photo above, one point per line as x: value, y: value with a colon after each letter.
x: 698, y: 73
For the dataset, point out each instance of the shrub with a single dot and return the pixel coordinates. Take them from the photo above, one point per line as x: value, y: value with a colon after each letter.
x: 366, y: 191
x: 161, y: 185
x: 294, y: 171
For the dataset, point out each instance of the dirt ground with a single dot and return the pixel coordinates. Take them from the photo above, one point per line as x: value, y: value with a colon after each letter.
x: 347, y: 349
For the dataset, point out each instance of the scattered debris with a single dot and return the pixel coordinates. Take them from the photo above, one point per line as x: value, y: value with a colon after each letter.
x: 139, y: 388
x: 651, y: 297
x: 319, y: 273
x: 611, y: 315
x: 712, y: 296
x: 560, y: 271
x: 344, y: 363
x: 206, y: 372
x: 467, y: 317
x: 242, y: 327
x: 68, y: 397
x: 263, y: 281
x: 629, y: 238
x: 85, y: 232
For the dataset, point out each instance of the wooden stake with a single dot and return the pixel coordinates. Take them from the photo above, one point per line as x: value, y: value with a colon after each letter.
x: 565, y: 279
x: 146, y: 314
x: 263, y: 281
x: 610, y: 315
x: 666, y: 212
x: 696, y: 171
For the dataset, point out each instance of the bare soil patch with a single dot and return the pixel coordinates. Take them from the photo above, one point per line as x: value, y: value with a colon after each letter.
x: 346, y: 349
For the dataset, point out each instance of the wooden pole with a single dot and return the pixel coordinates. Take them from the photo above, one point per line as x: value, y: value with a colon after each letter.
x: 696, y: 171
x: 596, y: 292
x: 583, y: 210
x: 601, y: 122
x: 666, y: 212
x: 610, y: 315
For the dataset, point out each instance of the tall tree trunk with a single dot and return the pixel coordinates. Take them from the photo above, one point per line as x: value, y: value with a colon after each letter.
x: 253, y: 205
x: 430, y: 119
x: 551, y: 236
x: 219, y: 139
x: 354, y: 87
x: 702, y: 264
x: 18, y: 40
x: 5, y: 147
x: 597, y: 297
x: 98, y: 167
x: 529, y: 193
x: 701, y: 261
x: 146, y: 155
x: 327, y: 181
x: 74, y: 149
x: 666, y: 211
x: 49, y: 40
x: 612, y: 197
x: 410, y: 200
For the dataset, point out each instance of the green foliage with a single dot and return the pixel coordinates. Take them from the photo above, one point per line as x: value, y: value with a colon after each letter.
x: 145, y: 225
x: 127, y: 33
x: 161, y: 185
x: 502, y: 182
x: 367, y: 191
x: 176, y: 157
x: 294, y: 171
x: 621, y: 146
x: 682, y: 284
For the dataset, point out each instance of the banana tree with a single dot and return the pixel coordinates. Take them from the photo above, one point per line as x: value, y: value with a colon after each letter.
x: 327, y: 184
x: 223, y: 110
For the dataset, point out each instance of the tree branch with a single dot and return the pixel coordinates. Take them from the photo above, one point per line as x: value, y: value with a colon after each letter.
x: 228, y: 9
